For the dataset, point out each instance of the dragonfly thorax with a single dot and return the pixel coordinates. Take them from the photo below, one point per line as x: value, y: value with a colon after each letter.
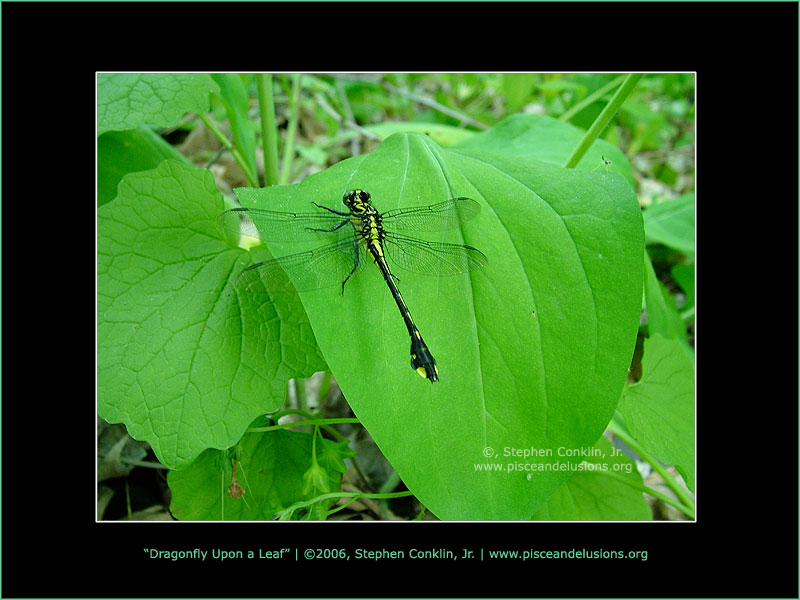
x: 368, y: 225
x: 365, y: 219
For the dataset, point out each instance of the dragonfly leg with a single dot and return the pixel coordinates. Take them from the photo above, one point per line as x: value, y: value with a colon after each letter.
x: 339, y: 226
x: 355, y: 264
x: 336, y: 212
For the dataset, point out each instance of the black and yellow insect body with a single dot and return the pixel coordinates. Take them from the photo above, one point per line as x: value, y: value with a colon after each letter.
x: 330, y: 264
x: 369, y: 227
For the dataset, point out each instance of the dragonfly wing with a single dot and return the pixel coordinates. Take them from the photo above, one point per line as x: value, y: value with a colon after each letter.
x: 432, y: 258
x: 437, y: 217
x: 279, y: 226
x: 312, y: 270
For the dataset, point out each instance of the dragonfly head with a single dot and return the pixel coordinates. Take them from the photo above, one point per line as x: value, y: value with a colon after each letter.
x: 356, y: 200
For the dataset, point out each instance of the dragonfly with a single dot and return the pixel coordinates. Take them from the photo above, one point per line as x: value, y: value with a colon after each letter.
x: 362, y: 235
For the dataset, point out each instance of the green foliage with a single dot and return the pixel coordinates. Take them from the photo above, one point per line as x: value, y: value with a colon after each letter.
x: 444, y: 135
x: 671, y: 223
x: 236, y: 102
x: 272, y: 471
x: 127, y: 100
x: 517, y: 88
x: 684, y: 276
x: 659, y: 409
x: 533, y: 349
x: 548, y: 140
x: 596, y: 493
x: 662, y: 313
x: 122, y: 152
x: 185, y: 363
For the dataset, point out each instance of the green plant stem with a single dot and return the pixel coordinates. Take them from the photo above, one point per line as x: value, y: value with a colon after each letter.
x: 252, y: 181
x: 324, y: 388
x: 291, y: 131
x: 128, y: 497
x: 355, y: 142
x: 321, y: 422
x: 679, y: 491
x: 290, y: 411
x: 687, y: 315
x: 269, y: 136
x: 355, y: 496
x: 591, y: 98
x: 603, y: 119
x: 309, y: 420
x: 300, y: 394
x: 325, y: 423
x: 323, y: 104
x: 343, y: 506
x: 148, y: 464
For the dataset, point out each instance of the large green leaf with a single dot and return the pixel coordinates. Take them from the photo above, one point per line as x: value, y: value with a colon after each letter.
x: 533, y: 350
x: 183, y: 361
x: 127, y: 100
x: 659, y: 409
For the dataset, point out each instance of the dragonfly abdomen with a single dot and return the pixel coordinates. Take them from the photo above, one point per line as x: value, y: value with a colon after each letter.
x: 422, y: 361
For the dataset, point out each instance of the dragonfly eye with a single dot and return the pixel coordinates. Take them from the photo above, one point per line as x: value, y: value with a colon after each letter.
x: 364, y: 196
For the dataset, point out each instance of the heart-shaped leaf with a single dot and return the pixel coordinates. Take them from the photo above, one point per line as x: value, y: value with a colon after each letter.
x: 183, y: 361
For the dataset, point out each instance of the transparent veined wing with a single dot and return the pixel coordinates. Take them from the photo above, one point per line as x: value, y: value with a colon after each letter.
x: 312, y: 270
x: 437, y: 217
x: 277, y: 226
x: 432, y: 258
